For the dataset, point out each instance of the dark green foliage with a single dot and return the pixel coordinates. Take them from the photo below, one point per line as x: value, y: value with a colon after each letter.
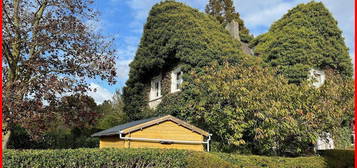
x: 254, y: 161
x: 224, y: 12
x: 339, y: 158
x: 55, y: 139
x: 101, y: 158
x: 175, y: 33
x: 306, y: 37
x: 148, y: 158
x: 112, y: 113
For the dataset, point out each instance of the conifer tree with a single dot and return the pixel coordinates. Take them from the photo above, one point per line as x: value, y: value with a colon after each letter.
x: 224, y: 12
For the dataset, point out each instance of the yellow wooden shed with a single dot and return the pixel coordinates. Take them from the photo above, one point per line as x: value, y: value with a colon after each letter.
x: 157, y: 132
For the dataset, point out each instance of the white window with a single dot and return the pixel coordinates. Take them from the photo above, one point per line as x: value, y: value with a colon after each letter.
x: 318, y: 76
x: 155, y: 91
x: 325, y: 142
x: 176, y: 80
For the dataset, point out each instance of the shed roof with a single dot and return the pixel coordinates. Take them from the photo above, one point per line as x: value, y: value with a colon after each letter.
x: 140, y: 124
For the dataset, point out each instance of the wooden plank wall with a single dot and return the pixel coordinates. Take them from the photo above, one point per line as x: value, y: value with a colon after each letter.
x: 165, y: 130
x: 111, y: 142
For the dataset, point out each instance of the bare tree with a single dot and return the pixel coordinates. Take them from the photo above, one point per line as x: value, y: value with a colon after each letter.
x: 48, y: 50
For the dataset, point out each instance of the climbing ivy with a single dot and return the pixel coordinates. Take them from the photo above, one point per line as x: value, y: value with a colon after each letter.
x: 304, y: 38
x: 175, y: 33
x: 246, y: 106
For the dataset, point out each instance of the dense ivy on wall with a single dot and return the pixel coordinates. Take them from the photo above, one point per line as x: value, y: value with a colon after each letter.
x: 175, y: 33
x: 306, y: 37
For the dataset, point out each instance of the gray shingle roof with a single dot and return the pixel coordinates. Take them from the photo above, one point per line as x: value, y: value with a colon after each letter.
x: 115, y: 130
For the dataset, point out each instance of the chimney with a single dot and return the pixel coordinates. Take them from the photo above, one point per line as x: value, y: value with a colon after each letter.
x: 233, y: 29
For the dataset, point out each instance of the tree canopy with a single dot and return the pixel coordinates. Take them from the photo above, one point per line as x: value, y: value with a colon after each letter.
x: 78, y: 111
x: 48, y: 50
x: 112, y: 112
x: 224, y: 12
x: 175, y: 33
x: 304, y: 38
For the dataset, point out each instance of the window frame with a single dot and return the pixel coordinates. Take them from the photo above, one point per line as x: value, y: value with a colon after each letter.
x: 318, y: 76
x: 155, y: 92
x: 176, y: 79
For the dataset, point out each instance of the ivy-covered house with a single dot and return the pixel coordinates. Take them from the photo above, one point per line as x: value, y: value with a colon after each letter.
x: 203, y: 40
x: 170, y: 81
x: 178, y: 40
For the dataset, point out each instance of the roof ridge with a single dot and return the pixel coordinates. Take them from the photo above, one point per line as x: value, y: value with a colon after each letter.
x: 139, y: 124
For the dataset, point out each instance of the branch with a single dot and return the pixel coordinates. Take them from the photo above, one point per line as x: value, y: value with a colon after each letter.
x: 36, y: 22
x: 15, y: 44
x: 8, y: 18
x: 7, y: 53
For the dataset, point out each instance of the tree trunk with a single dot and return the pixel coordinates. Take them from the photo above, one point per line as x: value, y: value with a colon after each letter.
x: 5, y: 139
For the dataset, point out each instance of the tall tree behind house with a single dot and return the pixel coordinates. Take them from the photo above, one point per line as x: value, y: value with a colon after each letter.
x: 224, y: 12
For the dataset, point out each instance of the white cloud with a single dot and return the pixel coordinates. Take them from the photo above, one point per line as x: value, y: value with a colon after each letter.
x: 140, y: 12
x: 141, y: 9
x: 127, y: 51
x: 198, y: 4
x: 126, y: 54
x: 352, y: 55
x: 123, y: 69
x: 100, y: 95
x: 259, y: 15
x: 266, y: 16
x: 343, y: 11
x: 94, y: 25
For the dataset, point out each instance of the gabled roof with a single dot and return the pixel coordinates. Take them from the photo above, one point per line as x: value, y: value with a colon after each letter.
x: 140, y: 124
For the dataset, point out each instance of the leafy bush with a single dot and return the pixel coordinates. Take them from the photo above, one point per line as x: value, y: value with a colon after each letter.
x: 148, y: 158
x: 339, y: 158
x: 253, y: 110
x: 342, y: 137
x: 95, y: 158
x: 61, y: 138
x: 254, y: 161
x: 79, y: 158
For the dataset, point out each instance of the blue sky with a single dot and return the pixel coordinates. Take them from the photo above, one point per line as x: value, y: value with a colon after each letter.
x: 124, y: 19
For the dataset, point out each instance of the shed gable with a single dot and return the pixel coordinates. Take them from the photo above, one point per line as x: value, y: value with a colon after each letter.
x: 168, y: 130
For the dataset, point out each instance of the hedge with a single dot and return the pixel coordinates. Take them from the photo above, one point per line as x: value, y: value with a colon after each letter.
x: 254, y: 161
x: 339, y: 158
x: 103, y: 158
x: 161, y: 158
